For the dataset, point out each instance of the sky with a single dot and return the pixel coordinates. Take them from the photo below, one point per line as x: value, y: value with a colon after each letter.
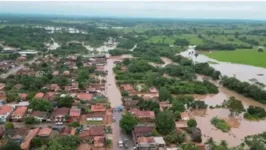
x: 162, y: 9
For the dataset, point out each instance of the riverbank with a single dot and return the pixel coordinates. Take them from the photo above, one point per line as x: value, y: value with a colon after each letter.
x: 242, y: 72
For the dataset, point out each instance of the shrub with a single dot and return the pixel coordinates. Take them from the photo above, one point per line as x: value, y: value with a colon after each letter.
x: 220, y: 124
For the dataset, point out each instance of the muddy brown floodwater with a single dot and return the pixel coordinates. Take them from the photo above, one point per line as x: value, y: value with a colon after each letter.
x: 112, y: 91
x: 240, y: 127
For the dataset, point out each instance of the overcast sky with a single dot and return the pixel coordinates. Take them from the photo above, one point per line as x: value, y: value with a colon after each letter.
x: 207, y: 10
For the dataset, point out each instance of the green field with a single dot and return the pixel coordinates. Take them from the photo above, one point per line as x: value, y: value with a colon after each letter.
x: 249, y: 57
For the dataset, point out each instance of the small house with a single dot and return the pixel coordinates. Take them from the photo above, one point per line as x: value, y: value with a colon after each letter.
x: 19, y: 113
x: 74, y: 114
x: 5, y: 112
x: 39, y: 115
x: 84, y: 96
x: 144, y: 115
x: 44, y: 132
x: 59, y: 115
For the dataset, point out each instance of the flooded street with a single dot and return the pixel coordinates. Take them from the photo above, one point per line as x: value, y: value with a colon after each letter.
x: 240, y: 71
x: 114, y: 96
x: 112, y: 91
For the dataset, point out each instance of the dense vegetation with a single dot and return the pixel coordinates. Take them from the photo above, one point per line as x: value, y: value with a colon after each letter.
x: 244, y: 88
x: 255, y: 113
x: 24, y: 37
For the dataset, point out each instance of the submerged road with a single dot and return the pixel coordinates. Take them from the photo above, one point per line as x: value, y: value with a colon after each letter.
x: 114, y: 96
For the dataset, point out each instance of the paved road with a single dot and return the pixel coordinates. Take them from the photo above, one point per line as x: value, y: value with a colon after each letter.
x: 15, y: 69
x: 114, y: 96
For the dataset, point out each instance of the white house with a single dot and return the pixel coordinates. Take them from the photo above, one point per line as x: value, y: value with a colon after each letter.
x: 5, y: 112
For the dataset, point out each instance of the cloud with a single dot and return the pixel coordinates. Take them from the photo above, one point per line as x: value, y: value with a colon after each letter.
x: 179, y: 9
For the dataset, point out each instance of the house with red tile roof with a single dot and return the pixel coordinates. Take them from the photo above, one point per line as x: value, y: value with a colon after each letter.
x: 5, y: 112
x: 59, y: 114
x: 31, y: 134
x: 92, y: 132
x: 84, y: 96
x: 128, y: 87
x: 68, y: 131
x: 39, y: 95
x: 23, y: 96
x: 144, y: 115
x: 19, y: 113
x: 74, y: 114
x: 99, y: 107
x: 50, y: 96
x: 44, y: 132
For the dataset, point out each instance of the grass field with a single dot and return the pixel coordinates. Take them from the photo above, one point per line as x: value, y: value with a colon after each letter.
x: 249, y: 57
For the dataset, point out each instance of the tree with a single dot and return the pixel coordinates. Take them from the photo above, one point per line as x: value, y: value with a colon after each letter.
x: 41, y: 105
x: 64, y: 101
x: 30, y: 120
x: 11, y: 146
x: 128, y: 123
x: 164, y: 94
x: 175, y: 138
x: 9, y: 125
x: 192, y: 123
x: 65, y: 143
x: 124, y: 93
x: 178, y: 106
x: 165, y: 122
x: 235, y: 106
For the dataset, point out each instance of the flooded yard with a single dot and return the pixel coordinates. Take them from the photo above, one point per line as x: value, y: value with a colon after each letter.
x: 240, y: 127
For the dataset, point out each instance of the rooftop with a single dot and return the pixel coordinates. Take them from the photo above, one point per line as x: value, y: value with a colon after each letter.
x: 93, y: 131
x: 20, y: 111
x: 127, y: 87
x: 40, y: 114
x: 84, y: 96
x: 75, y: 111
x: 45, y: 132
x: 39, y: 95
x: 60, y: 111
x: 143, y: 113
x: 5, y: 109
x: 98, y: 108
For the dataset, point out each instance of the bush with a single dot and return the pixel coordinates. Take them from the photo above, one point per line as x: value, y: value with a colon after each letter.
x: 31, y: 120
x: 9, y: 125
x: 125, y: 93
x: 255, y: 113
x: 220, y: 124
x: 192, y: 123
